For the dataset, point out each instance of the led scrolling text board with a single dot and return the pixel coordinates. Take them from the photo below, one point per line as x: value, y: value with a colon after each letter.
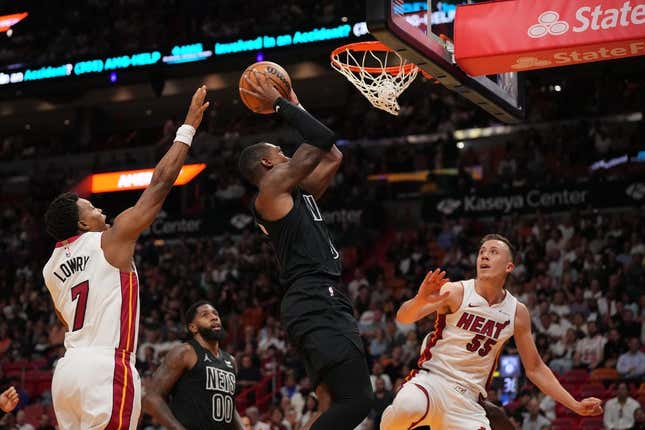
x: 181, y: 54
x: 199, y: 51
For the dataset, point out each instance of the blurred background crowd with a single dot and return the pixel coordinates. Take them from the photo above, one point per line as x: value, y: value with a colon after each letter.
x: 580, y: 268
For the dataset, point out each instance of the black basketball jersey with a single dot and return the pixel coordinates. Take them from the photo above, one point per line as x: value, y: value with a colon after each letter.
x: 301, y: 241
x: 203, y: 398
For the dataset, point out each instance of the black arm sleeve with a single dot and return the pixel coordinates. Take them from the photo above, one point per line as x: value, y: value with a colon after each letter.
x: 313, y: 131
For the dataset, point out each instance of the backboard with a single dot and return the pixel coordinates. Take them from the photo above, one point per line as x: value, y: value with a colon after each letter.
x: 405, y: 26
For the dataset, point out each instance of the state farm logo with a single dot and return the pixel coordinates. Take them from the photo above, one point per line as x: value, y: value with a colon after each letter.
x: 589, y: 18
x: 548, y: 23
x: 524, y: 63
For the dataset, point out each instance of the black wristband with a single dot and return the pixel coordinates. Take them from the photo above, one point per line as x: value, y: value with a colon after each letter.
x: 313, y: 131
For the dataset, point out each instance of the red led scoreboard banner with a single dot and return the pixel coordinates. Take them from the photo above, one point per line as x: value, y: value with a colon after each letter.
x: 518, y: 35
x: 6, y: 21
x: 136, y: 179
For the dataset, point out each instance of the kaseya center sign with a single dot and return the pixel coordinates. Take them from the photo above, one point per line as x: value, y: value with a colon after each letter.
x: 541, y: 34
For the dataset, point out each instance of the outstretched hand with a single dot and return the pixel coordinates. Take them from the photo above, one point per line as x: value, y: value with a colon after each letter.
x: 9, y: 400
x: 430, y: 289
x: 262, y: 88
x: 590, y: 406
x: 197, y: 108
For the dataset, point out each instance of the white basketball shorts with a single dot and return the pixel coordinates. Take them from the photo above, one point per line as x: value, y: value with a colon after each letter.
x: 440, y: 404
x: 96, y: 389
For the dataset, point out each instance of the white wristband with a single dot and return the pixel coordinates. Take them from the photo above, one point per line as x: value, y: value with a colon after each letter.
x: 185, y: 134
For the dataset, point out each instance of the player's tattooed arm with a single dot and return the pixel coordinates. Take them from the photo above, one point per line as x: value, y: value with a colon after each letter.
x: 133, y: 221
x: 172, y: 367
x: 539, y: 373
x: 436, y: 293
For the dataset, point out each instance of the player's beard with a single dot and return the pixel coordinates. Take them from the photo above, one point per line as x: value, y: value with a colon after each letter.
x: 208, y: 333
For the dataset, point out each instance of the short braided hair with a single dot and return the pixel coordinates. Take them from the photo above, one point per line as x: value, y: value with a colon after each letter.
x: 61, y: 218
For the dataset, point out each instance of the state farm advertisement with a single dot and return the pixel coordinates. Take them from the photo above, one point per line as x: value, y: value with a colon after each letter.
x: 542, y: 34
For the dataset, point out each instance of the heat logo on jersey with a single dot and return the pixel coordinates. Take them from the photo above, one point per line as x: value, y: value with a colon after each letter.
x: 483, y: 326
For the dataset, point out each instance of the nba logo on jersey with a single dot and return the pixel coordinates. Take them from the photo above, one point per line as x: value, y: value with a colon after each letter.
x: 68, y: 252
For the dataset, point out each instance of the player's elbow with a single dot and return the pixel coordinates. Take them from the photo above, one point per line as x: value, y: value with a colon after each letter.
x: 534, y: 369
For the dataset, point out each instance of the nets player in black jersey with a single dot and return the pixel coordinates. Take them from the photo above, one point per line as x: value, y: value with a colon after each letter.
x: 198, y: 376
x: 317, y: 316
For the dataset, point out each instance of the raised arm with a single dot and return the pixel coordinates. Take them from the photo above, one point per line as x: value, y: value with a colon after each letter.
x: 435, y: 294
x: 274, y: 197
x: 318, y: 181
x: 153, y: 401
x: 118, y: 241
x: 538, y: 372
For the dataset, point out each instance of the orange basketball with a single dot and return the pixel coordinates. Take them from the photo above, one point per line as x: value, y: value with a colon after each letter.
x: 276, y: 74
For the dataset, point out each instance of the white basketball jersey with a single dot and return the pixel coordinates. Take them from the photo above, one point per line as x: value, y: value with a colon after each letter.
x: 466, y: 344
x: 99, y: 303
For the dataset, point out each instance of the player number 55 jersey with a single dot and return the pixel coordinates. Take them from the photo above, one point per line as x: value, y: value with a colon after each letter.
x: 466, y: 344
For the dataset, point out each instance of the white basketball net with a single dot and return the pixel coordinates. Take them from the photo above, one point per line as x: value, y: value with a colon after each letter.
x: 381, y: 89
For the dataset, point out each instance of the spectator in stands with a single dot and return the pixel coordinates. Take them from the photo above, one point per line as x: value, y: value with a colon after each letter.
x: 377, y: 373
x: 632, y: 363
x: 292, y: 419
x: 246, y: 423
x: 382, y: 399
x: 639, y: 420
x: 534, y: 420
x: 291, y: 391
x: 310, y: 409
x: 619, y: 411
x: 44, y: 423
x: 564, y: 351
x: 248, y: 374
x: 254, y: 416
x: 614, y: 347
x: 590, y: 348
x: 277, y: 420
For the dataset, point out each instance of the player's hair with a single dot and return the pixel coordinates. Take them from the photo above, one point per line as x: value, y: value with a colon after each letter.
x: 495, y: 236
x: 189, y: 316
x: 250, y: 161
x: 61, y: 218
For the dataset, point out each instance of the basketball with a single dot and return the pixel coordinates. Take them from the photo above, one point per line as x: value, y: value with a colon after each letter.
x: 276, y: 74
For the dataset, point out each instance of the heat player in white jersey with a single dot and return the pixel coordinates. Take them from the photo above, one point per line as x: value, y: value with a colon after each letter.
x: 474, y: 320
x: 94, y: 286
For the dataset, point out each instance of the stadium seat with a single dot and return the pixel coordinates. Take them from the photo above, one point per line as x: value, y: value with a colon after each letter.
x: 591, y: 423
x: 563, y: 424
x: 592, y: 390
x: 604, y: 374
x: 14, y: 366
x: 33, y: 413
x: 575, y: 376
x: 562, y: 412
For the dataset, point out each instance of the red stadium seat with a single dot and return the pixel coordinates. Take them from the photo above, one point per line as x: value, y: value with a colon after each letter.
x: 563, y: 424
x: 591, y: 423
x: 38, y: 381
x: 14, y: 366
x: 604, y: 374
x: 562, y: 412
x: 575, y: 376
x: 592, y: 390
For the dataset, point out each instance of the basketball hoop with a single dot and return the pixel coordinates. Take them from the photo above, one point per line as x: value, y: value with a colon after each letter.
x: 378, y: 72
